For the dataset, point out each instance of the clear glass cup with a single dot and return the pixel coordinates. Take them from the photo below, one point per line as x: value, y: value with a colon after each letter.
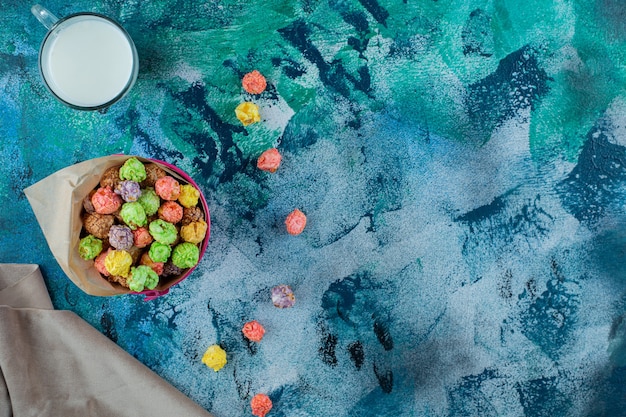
x: 87, y: 60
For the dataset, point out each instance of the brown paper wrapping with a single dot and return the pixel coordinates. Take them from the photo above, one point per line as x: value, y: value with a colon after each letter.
x: 57, y: 202
x: 53, y: 363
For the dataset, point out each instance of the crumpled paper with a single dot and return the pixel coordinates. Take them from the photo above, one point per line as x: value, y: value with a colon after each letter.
x: 57, y: 202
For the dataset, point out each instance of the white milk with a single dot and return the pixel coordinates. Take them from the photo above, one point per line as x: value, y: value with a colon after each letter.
x: 87, y: 61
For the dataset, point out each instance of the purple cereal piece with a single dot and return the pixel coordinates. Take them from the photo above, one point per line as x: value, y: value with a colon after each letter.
x: 282, y: 296
x: 130, y: 191
x: 121, y: 237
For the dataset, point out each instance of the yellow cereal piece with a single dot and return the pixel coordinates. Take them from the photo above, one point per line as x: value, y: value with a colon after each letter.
x: 189, y: 196
x: 248, y: 113
x: 118, y: 263
x: 214, y: 357
x: 194, y: 232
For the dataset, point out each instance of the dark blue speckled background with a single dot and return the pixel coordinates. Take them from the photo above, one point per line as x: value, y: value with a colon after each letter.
x: 462, y: 166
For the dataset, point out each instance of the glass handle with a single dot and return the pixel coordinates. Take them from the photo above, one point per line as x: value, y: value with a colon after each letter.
x: 44, y: 16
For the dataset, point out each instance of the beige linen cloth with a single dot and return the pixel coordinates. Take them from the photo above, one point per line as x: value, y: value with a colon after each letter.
x: 53, y: 363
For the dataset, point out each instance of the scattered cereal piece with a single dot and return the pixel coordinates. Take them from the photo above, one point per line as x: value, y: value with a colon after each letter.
x: 295, y: 222
x: 214, y: 357
x: 254, y: 82
x: 248, y: 113
x: 283, y: 297
x: 261, y: 405
x: 269, y: 160
x: 253, y: 330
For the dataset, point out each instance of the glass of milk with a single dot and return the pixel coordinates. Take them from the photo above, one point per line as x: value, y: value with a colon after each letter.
x: 86, y: 60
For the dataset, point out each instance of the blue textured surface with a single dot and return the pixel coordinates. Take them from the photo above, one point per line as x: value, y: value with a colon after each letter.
x: 462, y: 167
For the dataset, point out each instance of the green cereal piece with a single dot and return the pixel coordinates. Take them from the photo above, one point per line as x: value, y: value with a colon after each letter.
x: 133, y: 170
x: 163, y: 232
x: 142, y: 277
x: 150, y: 201
x: 185, y: 255
x: 89, y: 247
x: 133, y: 215
x: 159, y: 252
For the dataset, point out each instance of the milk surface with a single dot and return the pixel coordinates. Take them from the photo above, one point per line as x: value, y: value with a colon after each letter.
x: 88, y: 62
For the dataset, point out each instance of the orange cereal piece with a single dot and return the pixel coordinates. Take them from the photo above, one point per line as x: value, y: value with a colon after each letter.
x: 261, y: 405
x: 253, y: 330
x: 156, y: 266
x: 171, y: 211
x: 141, y: 237
x: 254, y: 82
x: 167, y: 188
x: 295, y: 222
x: 269, y: 160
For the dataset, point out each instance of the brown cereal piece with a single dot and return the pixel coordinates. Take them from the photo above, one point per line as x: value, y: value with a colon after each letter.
x: 87, y: 204
x: 171, y: 270
x: 111, y: 177
x: 135, y: 253
x: 192, y: 214
x: 120, y: 280
x: 98, y: 224
x: 153, y: 173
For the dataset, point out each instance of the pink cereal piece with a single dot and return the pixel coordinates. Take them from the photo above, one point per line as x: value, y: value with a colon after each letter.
x: 295, y: 222
x: 260, y: 405
x: 171, y: 211
x: 269, y: 160
x: 167, y: 188
x: 105, y: 201
x: 254, y: 82
x: 99, y: 263
x: 253, y: 330
x: 141, y: 237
